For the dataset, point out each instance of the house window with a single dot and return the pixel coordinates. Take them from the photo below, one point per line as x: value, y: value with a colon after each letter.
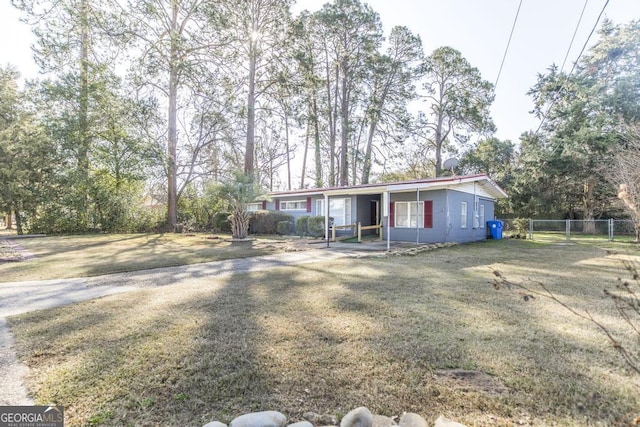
x: 339, y: 210
x: 254, y: 207
x: 293, y: 205
x: 463, y: 215
x: 482, y: 216
x: 409, y: 214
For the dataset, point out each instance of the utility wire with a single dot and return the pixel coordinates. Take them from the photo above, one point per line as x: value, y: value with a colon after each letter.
x: 513, y: 27
x: 574, y: 35
x: 575, y: 63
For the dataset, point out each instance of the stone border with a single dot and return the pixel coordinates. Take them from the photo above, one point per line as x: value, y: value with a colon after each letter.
x: 359, y: 417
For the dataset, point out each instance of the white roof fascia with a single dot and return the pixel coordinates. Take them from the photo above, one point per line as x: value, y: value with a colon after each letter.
x: 489, y: 186
x: 493, y: 188
x: 300, y: 194
x: 356, y: 191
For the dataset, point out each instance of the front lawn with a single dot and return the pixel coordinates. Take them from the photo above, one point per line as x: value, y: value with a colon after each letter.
x: 59, y: 257
x: 424, y: 333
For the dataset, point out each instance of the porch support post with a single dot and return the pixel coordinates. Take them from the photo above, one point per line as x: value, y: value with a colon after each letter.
x: 418, y: 219
x: 326, y: 217
x: 387, y: 207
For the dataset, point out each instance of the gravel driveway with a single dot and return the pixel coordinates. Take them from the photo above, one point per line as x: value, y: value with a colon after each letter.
x: 23, y: 297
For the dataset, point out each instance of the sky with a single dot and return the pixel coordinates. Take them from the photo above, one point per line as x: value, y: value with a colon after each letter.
x: 479, y: 29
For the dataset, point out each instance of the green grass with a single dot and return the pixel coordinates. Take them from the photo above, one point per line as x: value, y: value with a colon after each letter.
x: 385, y: 333
x: 549, y: 236
x: 97, y: 254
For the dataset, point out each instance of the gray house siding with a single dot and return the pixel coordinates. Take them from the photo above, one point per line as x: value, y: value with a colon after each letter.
x: 489, y: 212
x: 447, y: 218
x: 435, y: 234
x: 277, y: 205
x: 472, y: 232
x: 445, y: 195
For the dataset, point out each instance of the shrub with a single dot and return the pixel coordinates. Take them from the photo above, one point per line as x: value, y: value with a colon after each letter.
x: 266, y: 222
x: 315, y: 226
x: 302, y: 225
x: 221, y: 223
x: 521, y: 225
x: 284, y: 227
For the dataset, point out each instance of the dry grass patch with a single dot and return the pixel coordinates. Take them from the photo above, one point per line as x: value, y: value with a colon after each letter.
x: 60, y: 257
x: 389, y: 334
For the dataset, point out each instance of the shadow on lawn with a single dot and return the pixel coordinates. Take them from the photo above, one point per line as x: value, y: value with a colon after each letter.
x: 47, y: 246
x: 325, y: 338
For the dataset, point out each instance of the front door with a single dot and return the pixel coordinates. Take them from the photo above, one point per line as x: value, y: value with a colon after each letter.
x: 375, y: 213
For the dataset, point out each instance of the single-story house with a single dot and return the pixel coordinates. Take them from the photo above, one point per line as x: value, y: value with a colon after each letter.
x: 446, y: 209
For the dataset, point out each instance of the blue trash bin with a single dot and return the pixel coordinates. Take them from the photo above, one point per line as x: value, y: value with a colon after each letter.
x: 495, y: 229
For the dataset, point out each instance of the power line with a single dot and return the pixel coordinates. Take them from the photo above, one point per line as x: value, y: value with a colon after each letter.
x: 575, y: 63
x: 574, y: 35
x: 513, y: 27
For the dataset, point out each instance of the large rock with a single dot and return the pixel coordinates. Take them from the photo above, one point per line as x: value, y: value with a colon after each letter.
x: 410, y: 419
x: 260, y: 419
x: 442, y: 421
x: 215, y: 424
x: 383, y: 421
x: 301, y: 424
x: 359, y: 417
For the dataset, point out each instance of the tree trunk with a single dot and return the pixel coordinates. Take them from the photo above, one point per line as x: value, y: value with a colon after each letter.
x: 304, y: 154
x: 286, y: 140
x: 240, y: 223
x: 332, y: 125
x: 83, y: 114
x: 344, y: 137
x: 587, y: 204
x: 18, y: 222
x: 366, y: 166
x: 316, y: 140
x: 172, y: 138
x: 9, y: 221
x: 251, y: 114
x: 439, y: 138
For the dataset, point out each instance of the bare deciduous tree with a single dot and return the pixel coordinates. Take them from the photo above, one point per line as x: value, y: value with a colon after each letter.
x: 625, y: 174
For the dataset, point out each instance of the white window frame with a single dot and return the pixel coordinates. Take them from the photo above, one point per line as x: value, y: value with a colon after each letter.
x: 298, y: 205
x: 341, y: 217
x: 463, y: 215
x: 482, y: 221
x: 252, y: 207
x: 414, y: 213
x: 341, y: 214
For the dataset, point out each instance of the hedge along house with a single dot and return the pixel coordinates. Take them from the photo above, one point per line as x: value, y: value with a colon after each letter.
x: 449, y: 209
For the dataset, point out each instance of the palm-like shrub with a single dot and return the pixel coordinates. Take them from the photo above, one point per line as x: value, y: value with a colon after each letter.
x: 240, y: 191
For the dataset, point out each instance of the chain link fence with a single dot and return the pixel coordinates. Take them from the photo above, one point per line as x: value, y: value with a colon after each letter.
x: 571, y: 229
